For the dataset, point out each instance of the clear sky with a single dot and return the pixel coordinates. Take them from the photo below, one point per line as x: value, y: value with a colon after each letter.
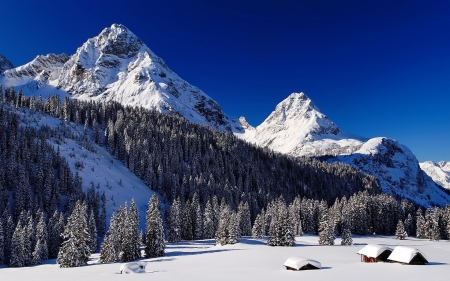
x: 376, y: 68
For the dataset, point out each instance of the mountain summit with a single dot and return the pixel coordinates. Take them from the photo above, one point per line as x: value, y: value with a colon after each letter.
x: 297, y: 127
x: 117, y: 66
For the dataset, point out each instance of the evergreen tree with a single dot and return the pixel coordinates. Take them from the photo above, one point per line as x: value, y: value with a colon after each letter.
x: 40, y: 252
x: 346, y: 239
x: 110, y: 248
x: 75, y: 251
x: 420, y: 225
x: 208, y: 221
x: 92, y: 233
x: 154, y: 232
x: 400, y: 232
x: 244, y: 220
x: 326, y: 231
x: 175, y: 222
x: 258, y: 227
x: 18, y: 257
x: 55, y: 228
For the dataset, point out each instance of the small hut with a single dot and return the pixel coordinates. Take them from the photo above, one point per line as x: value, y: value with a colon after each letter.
x: 374, y: 253
x: 299, y: 263
x: 407, y: 255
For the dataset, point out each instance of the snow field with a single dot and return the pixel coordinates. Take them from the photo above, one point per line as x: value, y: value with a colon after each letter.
x: 252, y: 259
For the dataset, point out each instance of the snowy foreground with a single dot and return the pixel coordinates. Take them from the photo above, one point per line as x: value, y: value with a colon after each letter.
x: 252, y: 259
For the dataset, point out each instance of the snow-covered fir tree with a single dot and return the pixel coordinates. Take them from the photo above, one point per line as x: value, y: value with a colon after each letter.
x: 208, y: 221
x: 420, y: 224
x: 244, y: 219
x: 400, y: 233
x: 92, y: 228
x: 346, y: 239
x: 227, y: 231
x: 326, y: 231
x: 110, y: 248
x: 18, y: 257
x: 175, y: 222
x: 40, y: 252
x: 258, y: 227
x: 130, y: 244
x: 154, y: 230
x: 75, y: 250
x: 55, y: 228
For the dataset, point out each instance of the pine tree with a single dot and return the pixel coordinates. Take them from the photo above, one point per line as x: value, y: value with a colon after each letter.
x: 244, y: 220
x: 400, y: 232
x: 175, y: 222
x: 130, y: 246
x: 17, y: 258
x: 110, y: 248
x: 258, y: 227
x: 326, y: 231
x: 55, y: 228
x: 346, y: 239
x: 208, y: 221
x: 154, y: 232
x: 92, y: 233
x: 40, y: 252
x: 75, y: 251
x: 420, y: 225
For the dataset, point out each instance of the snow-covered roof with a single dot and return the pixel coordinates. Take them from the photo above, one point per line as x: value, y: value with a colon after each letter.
x: 299, y: 262
x: 372, y: 250
x: 405, y: 254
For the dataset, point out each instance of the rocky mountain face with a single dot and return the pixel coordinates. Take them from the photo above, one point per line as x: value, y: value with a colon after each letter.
x: 298, y: 128
x: 439, y: 172
x: 116, y: 65
x: 36, y: 73
x: 5, y: 64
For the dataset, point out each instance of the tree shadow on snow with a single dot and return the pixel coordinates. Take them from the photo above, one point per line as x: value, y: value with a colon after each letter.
x: 253, y: 241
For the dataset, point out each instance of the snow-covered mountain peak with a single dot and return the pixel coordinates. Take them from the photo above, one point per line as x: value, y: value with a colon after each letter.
x: 5, y: 64
x: 117, y: 66
x: 297, y: 127
x: 439, y: 172
x: 116, y: 40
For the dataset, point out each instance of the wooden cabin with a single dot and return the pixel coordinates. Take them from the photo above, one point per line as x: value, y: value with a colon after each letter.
x: 374, y: 253
x: 300, y: 263
x: 407, y: 255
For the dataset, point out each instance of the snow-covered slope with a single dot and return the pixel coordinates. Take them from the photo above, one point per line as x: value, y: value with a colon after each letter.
x: 98, y: 168
x: 5, y: 64
x: 397, y: 169
x: 298, y: 128
x: 36, y: 73
x: 117, y: 65
x: 439, y: 172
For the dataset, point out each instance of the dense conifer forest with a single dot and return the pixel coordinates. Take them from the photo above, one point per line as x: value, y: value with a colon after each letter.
x: 212, y: 185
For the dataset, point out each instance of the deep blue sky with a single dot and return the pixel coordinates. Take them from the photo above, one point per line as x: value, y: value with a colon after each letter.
x: 376, y: 68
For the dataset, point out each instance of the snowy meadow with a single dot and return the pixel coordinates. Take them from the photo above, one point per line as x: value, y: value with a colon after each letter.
x: 253, y: 259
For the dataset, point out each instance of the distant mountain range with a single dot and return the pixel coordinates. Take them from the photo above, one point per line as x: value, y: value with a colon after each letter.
x: 117, y: 65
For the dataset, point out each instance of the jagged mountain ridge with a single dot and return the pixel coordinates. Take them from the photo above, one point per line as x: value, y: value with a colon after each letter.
x: 117, y: 65
x: 298, y: 128
x: 439, y: 172
x: 5, y: 64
